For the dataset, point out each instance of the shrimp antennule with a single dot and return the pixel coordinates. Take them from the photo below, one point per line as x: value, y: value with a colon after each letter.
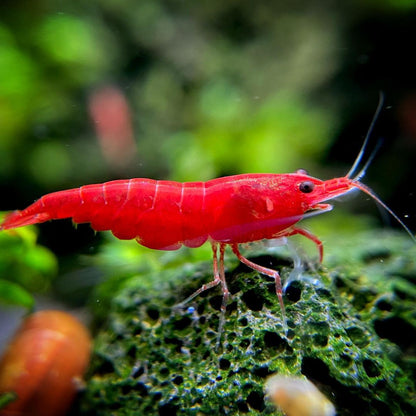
x: 366, y: 140
x: 355, y: 181
x: 363, y: 170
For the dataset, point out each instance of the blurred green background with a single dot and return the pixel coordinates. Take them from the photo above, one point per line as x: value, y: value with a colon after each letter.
x: 191, y: 90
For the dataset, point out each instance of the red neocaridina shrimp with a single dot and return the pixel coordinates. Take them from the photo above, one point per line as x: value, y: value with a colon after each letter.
x: 226, y: 211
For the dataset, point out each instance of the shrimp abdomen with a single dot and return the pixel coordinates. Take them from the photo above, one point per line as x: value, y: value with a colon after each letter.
x: 175, y: 218
x: 158, y: 214
x: 56, y: 205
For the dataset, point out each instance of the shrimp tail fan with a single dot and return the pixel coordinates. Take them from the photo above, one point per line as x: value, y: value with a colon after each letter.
x: 25, y: 217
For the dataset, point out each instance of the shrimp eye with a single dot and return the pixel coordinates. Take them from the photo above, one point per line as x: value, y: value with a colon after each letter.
x: 306, y: 187
x: 302, y: 172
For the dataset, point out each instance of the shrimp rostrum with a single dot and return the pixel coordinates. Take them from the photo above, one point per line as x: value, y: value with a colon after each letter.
x: 228, y: 211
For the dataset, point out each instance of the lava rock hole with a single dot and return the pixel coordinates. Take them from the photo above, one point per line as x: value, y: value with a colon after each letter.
x: 371, y: 368
x: 256, y: 401
x: 316, y: 369
x: 396, y: 330
x: 293, y: 292
x: 253, y: 300
x: 153, y: 313
x: 168, y: 409
x: 274, y: 341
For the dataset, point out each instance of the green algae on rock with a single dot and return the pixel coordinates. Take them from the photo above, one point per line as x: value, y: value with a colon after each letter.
x: 351, y: 330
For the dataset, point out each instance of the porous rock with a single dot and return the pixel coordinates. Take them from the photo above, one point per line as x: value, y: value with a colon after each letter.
x: 351, y: 331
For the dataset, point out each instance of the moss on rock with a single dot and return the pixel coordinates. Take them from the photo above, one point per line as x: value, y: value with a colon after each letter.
x: 351, y: 330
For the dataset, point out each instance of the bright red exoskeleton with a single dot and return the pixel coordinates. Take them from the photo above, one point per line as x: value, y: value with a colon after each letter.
x: 165, y: 215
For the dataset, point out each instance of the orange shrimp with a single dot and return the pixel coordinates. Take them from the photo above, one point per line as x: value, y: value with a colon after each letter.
x: 165, y: 215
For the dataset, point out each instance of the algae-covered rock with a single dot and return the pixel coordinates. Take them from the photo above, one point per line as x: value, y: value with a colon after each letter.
x: 351, y: 330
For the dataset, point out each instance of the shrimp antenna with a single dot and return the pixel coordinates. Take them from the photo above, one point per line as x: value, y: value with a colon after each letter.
x: 367, y: 138
x: 371, y: 193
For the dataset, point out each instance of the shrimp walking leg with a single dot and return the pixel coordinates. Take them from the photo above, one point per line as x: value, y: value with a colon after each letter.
x: 218, y: 277
x: 268, y: 272
x: 311, y: 237
x: 225, y: 293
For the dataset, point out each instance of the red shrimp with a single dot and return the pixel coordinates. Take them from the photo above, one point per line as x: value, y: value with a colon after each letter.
x: 227, y: 211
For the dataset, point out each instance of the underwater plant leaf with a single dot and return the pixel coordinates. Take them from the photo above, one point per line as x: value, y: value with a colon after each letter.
x: 13, y: 294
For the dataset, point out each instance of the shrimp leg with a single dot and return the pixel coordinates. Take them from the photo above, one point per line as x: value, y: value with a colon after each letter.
x: 225, y: 294
x: 311, y: 237
x: 219, y: 278
x: 274, y: 274
x: 213, y: 283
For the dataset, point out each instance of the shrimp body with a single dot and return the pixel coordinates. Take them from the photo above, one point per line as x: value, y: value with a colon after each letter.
x: 165, y: 215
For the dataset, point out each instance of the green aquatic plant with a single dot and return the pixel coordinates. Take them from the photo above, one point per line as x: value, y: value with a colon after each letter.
x: 25, y: 267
